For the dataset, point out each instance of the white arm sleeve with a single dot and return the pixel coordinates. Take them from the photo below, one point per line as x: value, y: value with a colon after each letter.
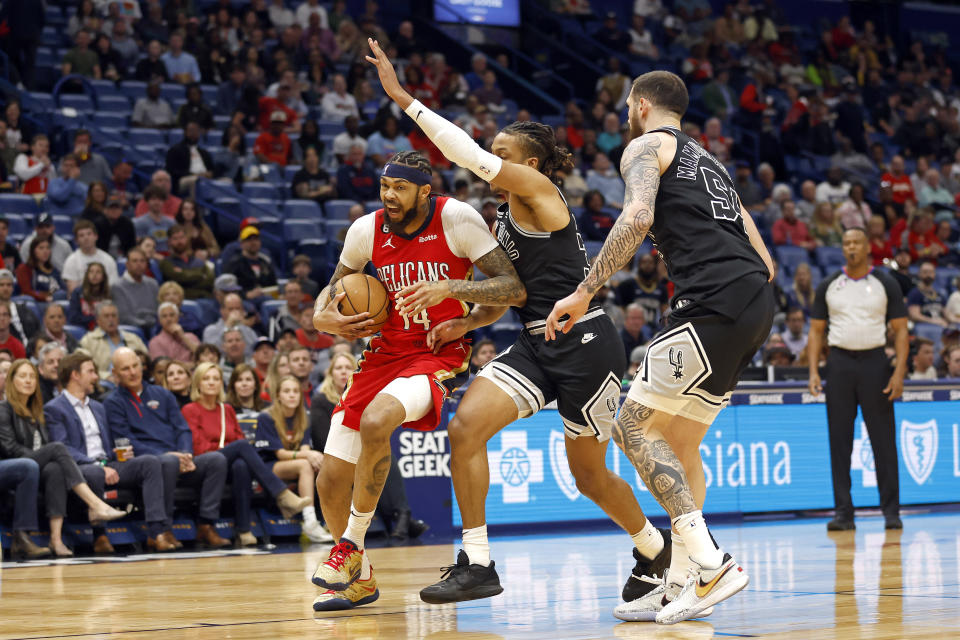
x: 467, y: 234
x: 358, y: 245
x: 21, y: 167
x: 455, y: 143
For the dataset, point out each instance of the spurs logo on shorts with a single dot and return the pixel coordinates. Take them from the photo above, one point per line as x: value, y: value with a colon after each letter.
x: 677, y: 362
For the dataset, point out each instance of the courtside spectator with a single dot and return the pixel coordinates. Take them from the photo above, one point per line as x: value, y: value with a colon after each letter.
x: 301, y: 361
x: 84, y: 300
x: 93, y: 166
x: 37, y: 277
x: 24, y: 434
x: 301, y: 268
x: 181, y: 66
x: 44, y: 229
x: 9, y: 255
x: 795, y: 337
x: 307, y: 334
x: 922, y: 361
x: 152, y: 111
x: 789, y: 230
x: 80, y: 422
x: 54, y: 321
x: 103, y: 341
x: 23, y: 322
x: 230, y: 92
x: 925, y: 303
x: 356, y: 179
x: 116, y: 233
x: 232, y: 314
x: 48, y: 359
x: 595, y: 222
x: 254, y: 269
x: 135, y: 293
x: 176, y: 379
x: 35, y: 169
x: 311, y: 181
x: 187, y: 162
x: 151, y: 66
x: 9, y: 341
x: 199, y: 232
x: 195, y: 110
x: 182, y: 267
x: 75, y: 267
x: 386, y: 141
x: 273, y: 146
x: 155, y: 224
x: 149, y: 417
x: 337, y: 104
x: 605, y: 179
x: 234, y: 350
x: 899, y: 181
x: 171, y: 203
x: 350, y: 137
x: 82, y: 60
x: 23, y: 476
x: 172, y: 341
x: 66, y: 195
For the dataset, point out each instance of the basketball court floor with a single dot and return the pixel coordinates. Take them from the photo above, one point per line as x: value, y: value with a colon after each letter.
x: 805, y: 583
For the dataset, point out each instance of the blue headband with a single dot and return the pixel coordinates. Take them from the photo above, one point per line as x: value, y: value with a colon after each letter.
x: 403, y: 172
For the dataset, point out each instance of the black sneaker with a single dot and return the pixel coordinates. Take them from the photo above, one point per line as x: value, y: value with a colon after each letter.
x: 463, y: 581
x: 893, y: 522
x: 647, y: 574
x: 841, y: 524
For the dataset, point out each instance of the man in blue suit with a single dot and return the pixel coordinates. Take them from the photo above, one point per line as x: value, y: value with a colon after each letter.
x: 81, y: 424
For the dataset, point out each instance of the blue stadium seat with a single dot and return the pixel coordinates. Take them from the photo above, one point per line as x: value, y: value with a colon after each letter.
x: 229, y: 205
x: 105, y: 88
x: 172, y: 91
x: 931, y: 332
x: 75, y: 331
x: 44, y: 101
x: 220, y: 122
x: 213, y: 137
x: 315, y: 249
x: 261, y: 190
x: 593, y: 247
x: 945, y: 276
x: 554, y: 120
x: 297, y: 230
x: 329, y: 127
x: 271, y: 224
x: 18, y: 225
x: 133, y: 89
x: 148, y: 137
x: 260, y: 207
x: 192, y: 309
x: 209, y: 95
x: 338, y: 209
x: 137, y: 331
x: 113, y: 103
x: 334, y: 227
x: 46, y: 57
x: 174, y: 136
x: 17, y: 203
x: 63, y: 225
x: 77, y: 101
x: 52, y: 37
x: 270, y: 308
x: 112, y: 119
x: 830, y: 258
x: 289, y: 171
x: 251, y: 139
x: 789, y: 257
x: 302, y: 210
x: 372, y: 205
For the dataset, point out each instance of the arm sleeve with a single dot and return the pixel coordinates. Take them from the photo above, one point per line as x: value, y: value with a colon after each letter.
x: 358, y: 245
x: 455, y: 143
x: 24, y: 171
x: 467, y: 233
x: 120, y: 428
x: 820, y: 310
x: 895, y: 306
x: 9, y: 447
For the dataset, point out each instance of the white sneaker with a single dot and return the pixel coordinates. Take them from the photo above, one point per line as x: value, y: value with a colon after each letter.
x: 646, y: 608
x: 704, y: 588
x: 316, y: 532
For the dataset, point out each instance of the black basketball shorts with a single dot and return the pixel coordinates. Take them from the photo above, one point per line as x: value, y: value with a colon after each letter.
x: 693, y: 365
x: 581, y: 370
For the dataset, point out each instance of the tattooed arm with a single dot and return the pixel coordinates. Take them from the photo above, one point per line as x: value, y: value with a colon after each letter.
x: 502, y: 288
x: 327, y: 316
x: 640, y: 168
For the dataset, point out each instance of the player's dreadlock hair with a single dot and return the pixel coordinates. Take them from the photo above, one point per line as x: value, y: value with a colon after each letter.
x: 539, y: 141
x: 414, y: 159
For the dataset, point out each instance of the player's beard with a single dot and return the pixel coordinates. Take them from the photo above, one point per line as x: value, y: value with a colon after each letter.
x: 400, y: 227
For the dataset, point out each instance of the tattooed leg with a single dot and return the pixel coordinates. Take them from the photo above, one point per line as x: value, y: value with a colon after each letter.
x: 636, y: 432
x: 379, y: 419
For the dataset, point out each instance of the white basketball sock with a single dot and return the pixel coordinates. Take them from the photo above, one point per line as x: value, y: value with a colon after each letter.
x: 680, y: 562
x: 357, y: 526
x: 309, y: 515
x: 476, y: 546
x: 693, y: 529
x: 648, y: 541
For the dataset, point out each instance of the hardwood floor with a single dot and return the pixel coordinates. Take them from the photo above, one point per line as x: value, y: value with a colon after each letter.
x: 805, y: 583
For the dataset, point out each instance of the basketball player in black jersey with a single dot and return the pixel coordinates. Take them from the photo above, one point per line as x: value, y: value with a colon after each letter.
x: 582, y: 371
x: 722, y: 311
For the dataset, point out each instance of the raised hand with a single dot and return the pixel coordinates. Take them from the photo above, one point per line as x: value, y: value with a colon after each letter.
x: 388, y: 75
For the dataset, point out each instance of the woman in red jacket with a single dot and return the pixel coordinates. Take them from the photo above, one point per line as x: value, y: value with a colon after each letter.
x: 215, y: 428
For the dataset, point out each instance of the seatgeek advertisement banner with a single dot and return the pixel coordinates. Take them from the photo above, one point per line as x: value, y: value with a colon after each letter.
x: 757, y: 457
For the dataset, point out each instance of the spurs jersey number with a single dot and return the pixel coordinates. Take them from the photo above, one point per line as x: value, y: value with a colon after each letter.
x: 726, y: 205
x: 421, y: 319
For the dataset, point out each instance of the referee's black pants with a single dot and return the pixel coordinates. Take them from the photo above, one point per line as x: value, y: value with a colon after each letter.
x: 858, y: 378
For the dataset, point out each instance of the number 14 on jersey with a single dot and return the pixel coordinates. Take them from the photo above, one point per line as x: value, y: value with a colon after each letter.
x: 421, y: 319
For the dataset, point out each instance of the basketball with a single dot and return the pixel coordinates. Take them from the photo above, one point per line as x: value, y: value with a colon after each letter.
x: 364, y: 293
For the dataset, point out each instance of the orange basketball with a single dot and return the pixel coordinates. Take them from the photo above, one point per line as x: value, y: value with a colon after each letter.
x: 364, y: 293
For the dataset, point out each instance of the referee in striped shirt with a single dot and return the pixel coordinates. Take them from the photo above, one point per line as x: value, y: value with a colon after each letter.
x: 853, y: 306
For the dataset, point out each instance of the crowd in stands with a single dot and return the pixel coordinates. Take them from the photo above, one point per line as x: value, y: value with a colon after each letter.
x: 127, y: 295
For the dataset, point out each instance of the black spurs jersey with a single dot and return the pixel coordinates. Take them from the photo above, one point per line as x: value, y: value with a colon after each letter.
x: 550, y: 264
x: 698, y: 230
